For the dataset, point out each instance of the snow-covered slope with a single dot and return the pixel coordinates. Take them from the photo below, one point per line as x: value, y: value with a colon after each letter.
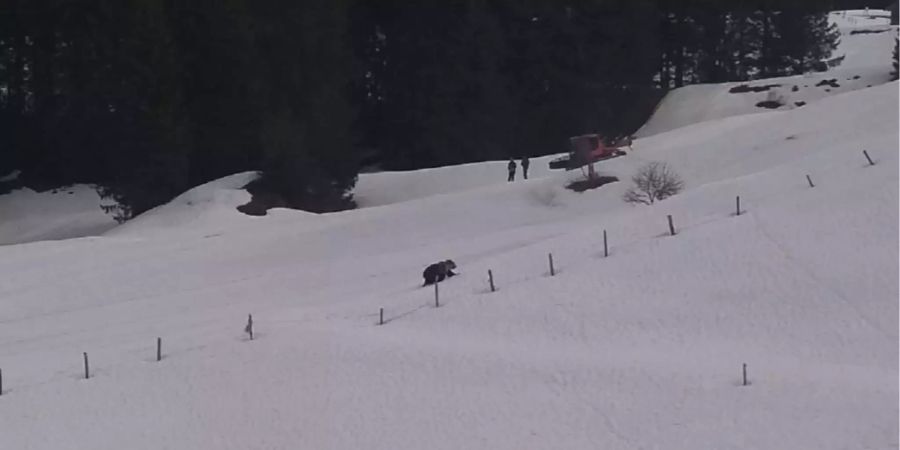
x: 74, y: 211
x: 643, y: 349
x: 384, y: 188
x: 867, y: 41
x: 199, y: 211
x: 866, y: 44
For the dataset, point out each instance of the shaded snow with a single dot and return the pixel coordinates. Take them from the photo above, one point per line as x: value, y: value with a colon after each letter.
x: 69, y: 212
x: 14, y: 175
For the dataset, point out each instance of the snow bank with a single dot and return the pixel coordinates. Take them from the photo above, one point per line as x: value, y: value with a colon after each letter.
x: 867, y: 41
x: 74, y: 211
x: 14, y: 175
x: 385, y: 188
x: 207, y: 209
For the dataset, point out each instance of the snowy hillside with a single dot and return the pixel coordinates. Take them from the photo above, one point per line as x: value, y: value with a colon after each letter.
x: 74, y: 211
x: 866, y: 44
x: 198, y: 211
x: 867, y: 40
x: 643, y: 349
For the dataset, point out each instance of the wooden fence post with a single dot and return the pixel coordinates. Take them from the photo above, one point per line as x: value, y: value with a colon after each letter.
x: 159, y: 349
x: 437, y: 302
x: 491, y: 279
x: 867, y: 157
x: 671, y: 226
x: 605, y: 247
x: 87, y: 373
x: 249, y: 328
x: 809, y: 180
x: 552, y: 271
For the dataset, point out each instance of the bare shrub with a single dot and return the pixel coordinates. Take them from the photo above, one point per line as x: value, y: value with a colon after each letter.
x: 655, y: 181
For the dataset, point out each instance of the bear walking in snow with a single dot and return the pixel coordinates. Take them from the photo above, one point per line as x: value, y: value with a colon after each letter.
x: 438, y: 271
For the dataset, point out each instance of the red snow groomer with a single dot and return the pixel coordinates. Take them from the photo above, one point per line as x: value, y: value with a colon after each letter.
x: 588, y: 149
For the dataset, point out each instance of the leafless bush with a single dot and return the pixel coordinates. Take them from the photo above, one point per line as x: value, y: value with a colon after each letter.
x: 655, y: 181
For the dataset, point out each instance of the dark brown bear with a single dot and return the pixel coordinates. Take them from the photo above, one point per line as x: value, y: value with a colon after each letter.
x: 438, y: 271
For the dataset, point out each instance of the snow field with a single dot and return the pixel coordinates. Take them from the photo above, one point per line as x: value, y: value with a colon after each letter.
x: 639, y: 350
x: 642, y: 349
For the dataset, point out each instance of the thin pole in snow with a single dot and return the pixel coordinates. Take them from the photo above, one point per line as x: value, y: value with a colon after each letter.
x: 87, y: 373
x: 738, y: 201
x: 380, y: 316
x: 671, y: 226
x: 249, y: 328
x: 437, y: 302
x: 809, y: 180
x: 491, y: 279
x: 745, y: 374
x: 552, y: 271
x: 605, y: 247
x: 871, y: 163
x: 159, y: 349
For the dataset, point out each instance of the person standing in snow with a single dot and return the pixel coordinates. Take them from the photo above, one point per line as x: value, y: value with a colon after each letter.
x: 511, y: 168
x: 525, y: 164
